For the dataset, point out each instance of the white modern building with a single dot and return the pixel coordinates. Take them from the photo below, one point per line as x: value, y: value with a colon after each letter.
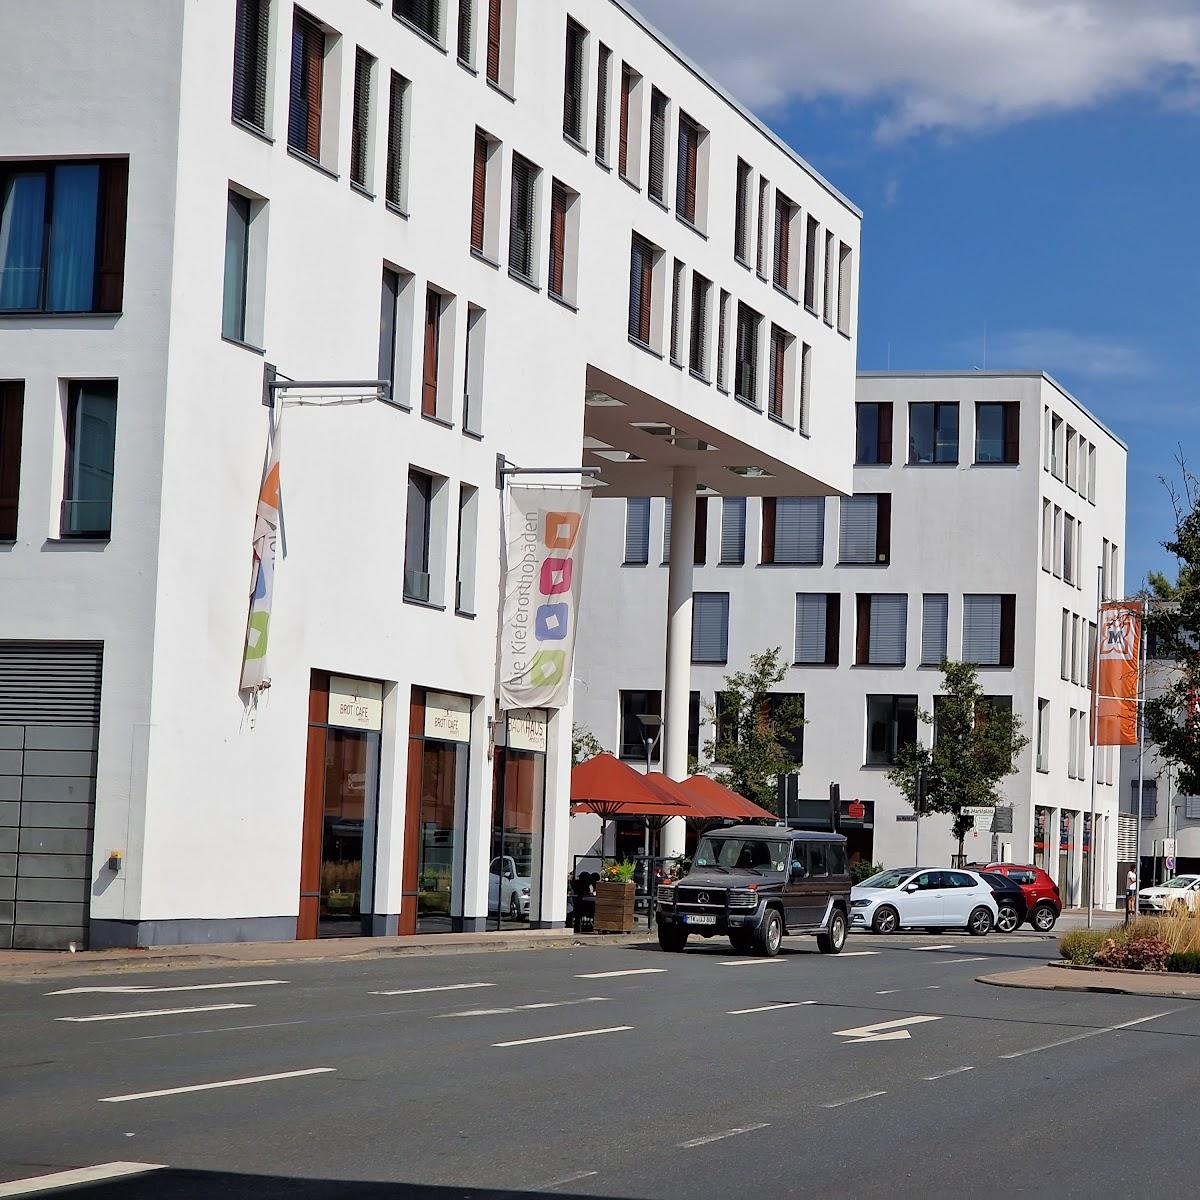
x: 551, y: 242
x: 984, y: 505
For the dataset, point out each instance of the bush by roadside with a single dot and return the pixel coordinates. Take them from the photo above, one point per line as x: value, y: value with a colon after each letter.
x: 1167, y: 943
x: 1080, y: 947
x: 864, y: 870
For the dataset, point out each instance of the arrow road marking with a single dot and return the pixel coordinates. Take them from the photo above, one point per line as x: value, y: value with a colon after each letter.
x: 882, y: 1031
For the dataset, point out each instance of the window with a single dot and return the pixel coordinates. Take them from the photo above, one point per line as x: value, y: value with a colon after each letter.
x: 464, y: 571
x: 989, y: 624
x: 603, y: 68
x: 12, y: 404
x: 656, y: 181
x: 1068, y: 549
x: 562, y: 241
x: 641, y: 289
x: 360, y: 132
x: 700, y: 533
x: 62, y: 236
x: 882, y: 633
x: 521, y: 233
x: 308, y: 67
x: 396, y: 186
x: 933, y: 433
x: 416, y: 536
x: 874, y: 434
x: 500, y: 44
x: 637, y: 531
x: 466, y: 32
x: 1056, y: 446
x: 425, y: 15
x: 250, y: 58
x: 630, y: 121
x: 677, y: 270
x: 574, y: 98
x: 479, y: 173
x: 845, y: 274
x: 830, y: 276
x: 1047, y: 535
x: 389, y: 304
x: 733, y: 530
x: 793, y: 530
x: 785, y: 711
x: 687, y: 168
x: 741, y: 216
x: 745, y: 370
x: 785, y: 213
x: 1073, y: 745
x: 1072, y: 458
x: 865, y: 535
x: 818, y: 621
x: 473, y: 374
x: 698, y: 336
x: 710, y: 627
x: 812, y: 250
x: 1091, y: 474
x: 1116, y: 585
x: 804, y: 416
x: 780, y: 343
x: 693, y: 746
x: 891, y: 723
x: 998, y: 433
x: 434, y: 303
x: 634, y: 734
x: 91, y: 452
x: 237, y: 259
x: 1056, y: 559
x: 1043, y: 734
x: 935, y: 608
x: 764, y: 189
x: 722, y: 357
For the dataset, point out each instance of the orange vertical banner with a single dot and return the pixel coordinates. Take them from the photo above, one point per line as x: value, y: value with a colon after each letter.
x: 1119, y: 653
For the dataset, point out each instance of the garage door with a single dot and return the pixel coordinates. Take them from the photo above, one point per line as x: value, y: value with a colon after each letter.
x: 49, y: 724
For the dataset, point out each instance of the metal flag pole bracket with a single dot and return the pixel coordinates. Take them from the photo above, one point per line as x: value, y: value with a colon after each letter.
x: 346, y: 390
x: 504, y: 469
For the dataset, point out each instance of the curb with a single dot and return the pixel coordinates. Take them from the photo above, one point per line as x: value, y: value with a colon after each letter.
x: 1112, y: 989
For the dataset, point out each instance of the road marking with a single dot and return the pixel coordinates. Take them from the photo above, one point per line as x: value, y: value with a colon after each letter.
x: 882, y: 1031
x: 445, y: 987
x: 154, y: 1012
x: 887, y: 992
x: 495, y: 1012
x: 190, y: 987
x: 976, y: 958
x: 751, y: 962
x: 947, y: 946
x: 854, y: 1099
x: 1079, y: 1037
x: 691, y: 1143
x: 855, y: 953
x: 947, y: 1074
x: 61, y: 1179
x: 223, y: 1083
x: 559, y: 1037
x: 618, y: 974
x: 155, y: 1037
x: 555, y: 1183
x: 741, y: 1012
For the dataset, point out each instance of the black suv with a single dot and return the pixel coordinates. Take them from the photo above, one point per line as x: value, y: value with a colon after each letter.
x: 754, y: 883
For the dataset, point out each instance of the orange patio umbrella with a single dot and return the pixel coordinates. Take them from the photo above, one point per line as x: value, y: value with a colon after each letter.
x: 722, y: 803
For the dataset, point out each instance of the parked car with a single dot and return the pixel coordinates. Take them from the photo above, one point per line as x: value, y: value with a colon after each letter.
x: 923, y: 898
x: 1177, y: 894
x: 755, y: 883
x: 1011, y: 906
x: 508, y: 890
x: 1041, y: 892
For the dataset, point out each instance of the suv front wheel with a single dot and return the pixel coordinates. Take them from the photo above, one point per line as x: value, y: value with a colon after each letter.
x: 671, y: 938
x: 834, y: 938
x: 769, y: 935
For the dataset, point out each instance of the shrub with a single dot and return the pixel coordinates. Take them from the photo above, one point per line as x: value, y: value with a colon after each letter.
x: 1080, y: 947
x: 1185, y: 962
x: 1139, y: 953
x: 618, y: 872
x: 864, y: 870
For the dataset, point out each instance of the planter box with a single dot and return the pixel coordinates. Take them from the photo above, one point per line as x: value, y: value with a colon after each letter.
x: 614, y: 907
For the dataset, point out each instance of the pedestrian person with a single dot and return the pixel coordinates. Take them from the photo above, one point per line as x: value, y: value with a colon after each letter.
x: 1131, y: 889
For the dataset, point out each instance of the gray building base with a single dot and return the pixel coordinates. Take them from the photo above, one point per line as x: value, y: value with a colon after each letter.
x: 190, y: 931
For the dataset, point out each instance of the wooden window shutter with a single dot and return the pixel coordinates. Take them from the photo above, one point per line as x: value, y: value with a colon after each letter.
x: 1008, y: 627
x: 110, y: 258
x: 1012, y: 433
x: 646, y: 294
x: 12, y: 403
x: 768, y: 529
x: 862, y: 630
x: 479, y: 192
x: 493, y: 41
x: 361, y: 116
x: 313, y: 57
x: 558, y: 237
x: 885, y: 432
x: 700, y: 541
x: 623, y: 148
x: 883, y: 527
x: 429, y: 387
x: 833, y: 627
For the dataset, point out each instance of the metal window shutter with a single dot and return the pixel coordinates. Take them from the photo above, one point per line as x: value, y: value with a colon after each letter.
x: 520, y: 225
x: 747, y: 354
x: 685, y: 181
x: 361, y: 116
x: 722, y: 318
x: 1191, y: 808
x: 858, y: 532
x: 811, y: 611
x: 636, y: 254
x: 676, y: 307
x: 656, y: 186
x: 605, y: 54
x: 799, y: 529
x: 981, y: 630
x: 424, y: 14
x: 934, y: 624
x: 740, y: 205
x: 466, y: 29
x: 637, y: 529
x: 733, y: 529
x: 710, y: 627
x: 667, y: 530
x: 1127, y: 827
x: 395, y: 146
x: 812, y: 236
x: 889, y: 621
x: 573, y: 83
x: 698, y: 352
x: 50, y: 683
x: 250, y: 63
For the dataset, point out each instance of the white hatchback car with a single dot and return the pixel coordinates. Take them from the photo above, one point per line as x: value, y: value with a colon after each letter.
x: 1177, y: 894
x: 925, y: 898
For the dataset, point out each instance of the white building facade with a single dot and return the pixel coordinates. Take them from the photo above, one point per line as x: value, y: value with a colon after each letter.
x: 554, y: 243
x: 984, y: 505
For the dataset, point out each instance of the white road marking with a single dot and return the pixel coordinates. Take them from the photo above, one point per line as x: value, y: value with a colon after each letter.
x: 155, y: 1037
x: 560, y: 1037
x: 445, y: 987
x: 223, y: 1083
x: 947, y: 946
x: 154, y: 1012
x: 741, y: 1012
x: 1079, y: 1037
x: 691, y: 1143
x: 62, y: 1179
x: 882, y: 1031
x: 887, y: 991
x: 189, y: 987
x: 976, y: 958
x: 618, y: 974
x: 854, y: 1099
x: 855, y: 953
x: 554, y: 1183
x: 495, y: 1012
x: 947, y: 1074
x: 751, y: 962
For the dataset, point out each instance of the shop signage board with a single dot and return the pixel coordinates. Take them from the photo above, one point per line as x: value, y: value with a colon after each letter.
x: 982, y: 816
x: 355, y: 703
x: 527, y: 729
x: 447, y: 717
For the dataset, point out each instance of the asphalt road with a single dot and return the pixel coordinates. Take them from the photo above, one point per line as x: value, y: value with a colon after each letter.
x: 601, y: 1072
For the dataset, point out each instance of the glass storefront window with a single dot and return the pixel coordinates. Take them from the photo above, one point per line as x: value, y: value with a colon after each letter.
x: 348, y: 832
x: 514, y: 873
x: 440, y: 848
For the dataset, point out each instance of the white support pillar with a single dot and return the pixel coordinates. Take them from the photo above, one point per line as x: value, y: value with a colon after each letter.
x: 678, y: 683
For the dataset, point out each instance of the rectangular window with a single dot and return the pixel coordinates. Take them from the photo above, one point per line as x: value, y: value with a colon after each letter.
x: 396, y: 185
x: 1116, y: 583
x: 416, y: 536
x: 603, y: 68
x: 817, y: 628
x: 790, y: 732
x: 637, y: 740
x: 1073, y: 745
x: 520, y: 221
x: 865, y: 535
x: 432, y: 352
x: 933, y: 433
x: 1068, y: 549
x: 574, y: 99
x: 981, y: 630
x: 1043, y: 734
x: 830, y: 276
x: 637, y: 531
x: 1047, y: 534
x: 641, y: 289
x: 1072, y: 458
x: 733, y: 530
x: 764, y: 189
x: 90, y: 458
x: 785, y: 212
x: 1056, y: 560
x: 1064, y: 646
x: 494, y: 40
x: 710, y: 627
x: 793, y: 530
x: 250, y: 58
x: 845, y: 275
x: 360, y: 131
x: 308, y: 68
x: 687, y: 168
x: 891, y: 724
x: 1091, y: 481
x: 698, y: 335
x: 812, y: 251
x: 741, y: 216
x: 627, y: 130
x: 677, y: 270
x: 656, y: 181
x: 389, y: 309
x: 874, y: 433
x: 466, y: 32
x: 700, y: 533
x: 722, y: 338
x: 1056, y: 446
x: 479, y: 173
x: 62, y: 236
x: 12, y: 404
x: 464, y: 571
x: 935, y: 607
x: 745, y: 372
x: 237, y: 260
x: 425, y: 15
x: 693, y: 747
x: 998, y: 433
x: 776, y: 396
x: 473, y: 374
x: 882, y: 633
x: 561, y: 200
x: 803, y: 418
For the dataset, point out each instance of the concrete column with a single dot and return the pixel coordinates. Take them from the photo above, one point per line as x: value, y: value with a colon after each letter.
x: 678, y: 685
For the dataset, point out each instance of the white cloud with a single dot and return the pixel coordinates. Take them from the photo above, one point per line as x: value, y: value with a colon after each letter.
x: 1061, y: 352
x: 942, y: 64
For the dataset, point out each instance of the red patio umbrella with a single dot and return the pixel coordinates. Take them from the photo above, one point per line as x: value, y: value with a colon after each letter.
x: 721, y: 802
x: 610, y: 788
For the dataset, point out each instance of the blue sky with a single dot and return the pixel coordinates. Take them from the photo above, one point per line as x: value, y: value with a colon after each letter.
x: 1028, y: 168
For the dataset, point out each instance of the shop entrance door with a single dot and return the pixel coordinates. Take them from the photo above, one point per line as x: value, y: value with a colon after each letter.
x: 515, y: 867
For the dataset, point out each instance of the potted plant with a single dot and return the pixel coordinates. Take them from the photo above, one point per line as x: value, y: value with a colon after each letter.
x: 614, y: 898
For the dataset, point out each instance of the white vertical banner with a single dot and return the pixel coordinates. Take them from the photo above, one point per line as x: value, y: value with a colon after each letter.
x: 262, y: 587
x: 547, y: 528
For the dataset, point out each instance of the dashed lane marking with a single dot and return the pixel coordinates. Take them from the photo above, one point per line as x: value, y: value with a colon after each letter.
x: 78, y: 1176
x: 135, y: 989
x: 1079, y: 1037
x: 752, y: 962
x: 496, y: 1012
x: 947, y: 1074
x: 618, y: 974
x: 222, y: 1083
x: 947, y: 946
x: 154, y: 1012
x: 742, y: 1012
x: 445, y: 987
x: 562, y: 1037
x: 692, y: 1143
x: 853, y: 1099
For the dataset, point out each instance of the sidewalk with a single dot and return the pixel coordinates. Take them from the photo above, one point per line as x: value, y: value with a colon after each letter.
x: 1058, y: 977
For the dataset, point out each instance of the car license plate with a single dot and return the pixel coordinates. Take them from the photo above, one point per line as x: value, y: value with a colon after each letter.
x: 698, y: 919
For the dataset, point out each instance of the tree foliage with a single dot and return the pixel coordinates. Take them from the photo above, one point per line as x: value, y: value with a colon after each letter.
x: 584, y: 744
x: 976, y: 746
x: 756, y: 730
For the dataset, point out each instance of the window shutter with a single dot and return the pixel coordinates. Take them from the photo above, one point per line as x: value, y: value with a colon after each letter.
x: 889, y: 619
x: 981, y: 630
x: 389, y: 297
x: 778, y: 356
x: 479, y: 192
x: 934, y: 618
x: 520, y: 229
x: 1008, y: 630
x: 637, y: 530
x: 858, y: 535
x: 862, y: 630
x: 883, y: 527
x: 698, y: 347
x: 700, y: 540
x: 733, y: 529
x: 433, y: 307
x: 12, y: 404
x: 799, y: 529
x: 1012, y: 433
x: 641, y: 266
x: 740, y: 204
x: 783, y: 214
x: 685, y: 183
x: 493, y: 41
x: 722, y: 318
x: 666, y: 531
x: 710, y: 627
x: 833, y: 628
x: 656, y: 185
x: 304, y: 116
x: 811, y: 240
x: 250, y: 63
x: 623, y: 149
x: 676, y: 303
x: 361, y: 116
x: 769, y: 507
x: 110, y: 253
x: 573, y: 83
x: 844, y: 276
x: 746, y: 367
x: 395, y: 148
x: 812, y: 614
x: 605, y: 55
x: 466, y: 29
x: 558, y: 236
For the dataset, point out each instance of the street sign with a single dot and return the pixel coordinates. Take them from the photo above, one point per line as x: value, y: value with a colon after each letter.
x: 906, y: 816
x: 1170, y: 862
x: 856, y: 810
x: 982, y: 816
x: 1002, y: 820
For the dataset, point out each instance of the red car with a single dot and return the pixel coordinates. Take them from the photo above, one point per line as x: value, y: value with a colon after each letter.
x: 1042, y: 900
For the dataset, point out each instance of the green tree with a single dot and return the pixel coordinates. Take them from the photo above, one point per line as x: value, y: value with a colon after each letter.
x: 976, y: 746
x: 757, y: 730
x: 584, y: 745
